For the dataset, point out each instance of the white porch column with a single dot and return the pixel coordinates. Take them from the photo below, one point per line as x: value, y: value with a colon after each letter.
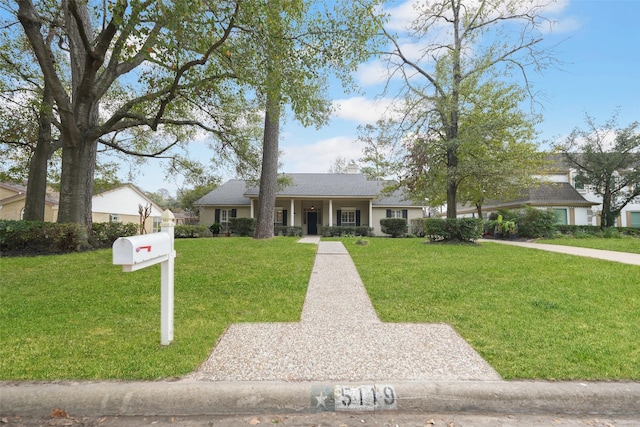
x: 251, y: 214
x: 330, y: 213
x: 370, y: 213
x: 292, y: 214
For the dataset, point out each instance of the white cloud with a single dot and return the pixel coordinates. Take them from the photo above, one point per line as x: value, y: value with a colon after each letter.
x: 372, y: 73
x: 324, y: 153
x: 361, y: 109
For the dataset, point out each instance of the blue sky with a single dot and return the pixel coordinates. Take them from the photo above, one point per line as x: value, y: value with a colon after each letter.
x: 598, y: 46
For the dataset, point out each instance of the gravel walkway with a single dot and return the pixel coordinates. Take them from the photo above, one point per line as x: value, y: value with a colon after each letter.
x: 340, y: 338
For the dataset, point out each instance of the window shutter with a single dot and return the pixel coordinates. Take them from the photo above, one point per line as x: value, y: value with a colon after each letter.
x: 339, y: 215
x: 217, y: 216
x: 284, y: 217
x: 234, y: 212
x: 388, y: 213
x: 357, y: 218
x: 405, y: 214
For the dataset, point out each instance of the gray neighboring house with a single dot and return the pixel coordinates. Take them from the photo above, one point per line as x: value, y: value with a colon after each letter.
x: 312, y: 201
x: 569, y: 206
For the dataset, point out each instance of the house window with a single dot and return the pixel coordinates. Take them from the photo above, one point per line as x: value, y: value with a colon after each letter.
x: 157, y: 221
x: 277, y: 216
x: 635, y: 219
x: 397, y: 213
x: 225, y: 214
x: 348, y: 217
x: 114, y: 218
x: 561, y: 216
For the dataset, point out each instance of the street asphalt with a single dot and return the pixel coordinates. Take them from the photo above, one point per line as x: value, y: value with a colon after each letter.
x: 329, y: 400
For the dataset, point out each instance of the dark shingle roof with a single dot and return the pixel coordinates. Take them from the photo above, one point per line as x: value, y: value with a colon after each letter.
x: 312, y: 185
x: 548, y: 194
x: 326, y: 184
x: 230, y: 193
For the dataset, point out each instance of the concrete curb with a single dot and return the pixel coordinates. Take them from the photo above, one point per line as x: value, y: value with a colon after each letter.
x: 188, y: 397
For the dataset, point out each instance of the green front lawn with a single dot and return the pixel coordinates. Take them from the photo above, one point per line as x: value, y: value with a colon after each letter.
x: 80, y: 317
x: 529, y: 313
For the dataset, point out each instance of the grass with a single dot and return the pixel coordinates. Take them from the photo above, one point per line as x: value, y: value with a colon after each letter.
x: 621, y: 244
x: 530, y: 314
x: 78, y: 316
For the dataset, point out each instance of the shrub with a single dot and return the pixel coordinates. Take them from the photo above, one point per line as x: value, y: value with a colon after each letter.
x: 242, y: 226
x: 417, y: 227
x: 396, y: 227
x: 341, y: 231
x: 215, y: 228
x: 283, y: 230
x: 534, y: 223
x: 189, y: 231
x: 36, y: 237
x: 105, y: 233
x: 453, y: 230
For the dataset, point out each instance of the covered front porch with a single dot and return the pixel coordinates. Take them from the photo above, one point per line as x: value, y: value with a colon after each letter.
x: 313, y: 214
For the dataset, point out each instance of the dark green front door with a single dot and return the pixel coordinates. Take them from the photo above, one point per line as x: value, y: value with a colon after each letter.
x: 312, y: 223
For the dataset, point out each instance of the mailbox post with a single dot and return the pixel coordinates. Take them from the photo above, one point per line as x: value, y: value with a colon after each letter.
x: 137, y: 252
x: 166, y: 285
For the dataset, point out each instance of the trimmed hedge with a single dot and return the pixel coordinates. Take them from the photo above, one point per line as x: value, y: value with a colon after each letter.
x: 339, y: 231
x: 242, y: 226
x: 595, y: 231
x: 453, y: 230
x: 416, y: 227
x: 44, y: 238
x: 396, y: 227
x: 284, y: 230
x: 189, y: 231
x: 105, y: 233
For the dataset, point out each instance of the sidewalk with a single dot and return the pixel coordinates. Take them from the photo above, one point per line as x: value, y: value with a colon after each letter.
x: 623, y: 257
x: 340, y: 357
x: 340, y: 338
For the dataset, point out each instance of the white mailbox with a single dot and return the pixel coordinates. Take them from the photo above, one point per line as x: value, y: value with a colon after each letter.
x: 137, y: 252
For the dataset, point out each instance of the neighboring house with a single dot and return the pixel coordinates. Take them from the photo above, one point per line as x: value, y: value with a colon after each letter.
x: 12, y: 201
x: 117, y: 205
x: 573, y: 203
x: 568, y: 204
x: 122, y: 204
x: 312, y: 201
x: 563, y: 173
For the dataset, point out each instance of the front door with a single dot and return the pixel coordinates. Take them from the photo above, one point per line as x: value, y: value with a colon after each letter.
x: 312, y: 223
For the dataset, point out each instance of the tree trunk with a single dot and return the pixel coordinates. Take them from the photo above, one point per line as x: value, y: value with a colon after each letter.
x: 78, y: 162
x: 269, y: 174
x: 608, y: 219
x: 479, y: 209
x: 37, y: 182
x: 452, y: 122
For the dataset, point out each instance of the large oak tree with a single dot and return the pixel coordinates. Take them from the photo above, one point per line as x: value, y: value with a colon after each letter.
x: 132, y: 65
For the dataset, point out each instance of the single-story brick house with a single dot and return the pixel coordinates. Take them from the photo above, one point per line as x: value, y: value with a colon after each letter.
x: 312, y: 201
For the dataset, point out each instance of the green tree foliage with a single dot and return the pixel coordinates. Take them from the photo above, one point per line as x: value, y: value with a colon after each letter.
x: 463, y: 47
x: 607, y: 158
x: 380, y: 153
x: 496, y: 157
x: 291, y: 49
x: 134, y: 67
